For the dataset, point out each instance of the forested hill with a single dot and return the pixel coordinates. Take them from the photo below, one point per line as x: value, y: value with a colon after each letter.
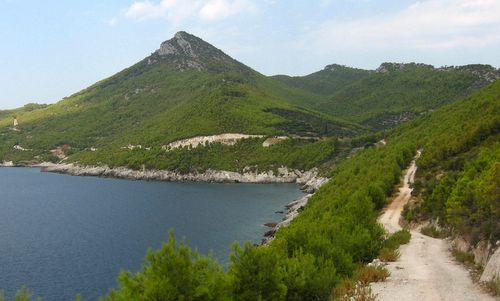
x: 458, y: 177
x: 189, y: 88
x: 321, y: 255
x: 392, y: 94
x: 186, y: 88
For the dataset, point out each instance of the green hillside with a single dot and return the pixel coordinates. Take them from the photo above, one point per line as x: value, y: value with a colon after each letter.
x: 458, y: 176
x: 327, y: 81
x: 392, y: 94
x: 398, y: 92
x: 337, y: 230
x: 189, y: 88
x: 186, y: 88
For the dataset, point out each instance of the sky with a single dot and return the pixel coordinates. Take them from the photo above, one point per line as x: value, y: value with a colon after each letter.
x: 52, y: 49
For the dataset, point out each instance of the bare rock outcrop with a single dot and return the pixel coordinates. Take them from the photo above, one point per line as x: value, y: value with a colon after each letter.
x: 226, y: 138
x: 187, y: 52
x: 7, y: 164
x: 492, y: 268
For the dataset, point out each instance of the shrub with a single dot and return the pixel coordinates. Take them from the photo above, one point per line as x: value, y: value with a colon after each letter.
x: 368, y: 274
x: 257, y: 274
x: 401, y: 237
x: 389, y: 255
x: 465, y: 258
x: 175, y: 272
x: 354, y: 291
x: 433, y: 232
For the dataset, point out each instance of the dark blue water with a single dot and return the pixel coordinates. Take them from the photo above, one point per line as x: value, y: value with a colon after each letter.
x: 60, y: 235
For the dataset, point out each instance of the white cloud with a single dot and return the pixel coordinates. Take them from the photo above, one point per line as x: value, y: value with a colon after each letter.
x: 217, y: 9
x: 426, y: 24
x: 179, y: 10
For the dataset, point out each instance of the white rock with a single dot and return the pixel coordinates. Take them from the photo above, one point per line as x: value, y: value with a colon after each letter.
x: 492, y: 268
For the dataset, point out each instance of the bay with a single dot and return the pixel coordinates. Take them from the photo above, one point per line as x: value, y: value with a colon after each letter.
x: 61, y: 235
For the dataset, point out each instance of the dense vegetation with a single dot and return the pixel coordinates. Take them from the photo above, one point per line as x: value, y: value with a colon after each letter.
x: 202, y: 91
x: 162, y: 99
x: 393, y: 94
x: 327, y: 81
x: 248, y: 153
x: 458, y: 172
x: 337, y: 231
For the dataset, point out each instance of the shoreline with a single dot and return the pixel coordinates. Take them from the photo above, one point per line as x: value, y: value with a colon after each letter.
x: 293, y: 211
x: 309, y: 181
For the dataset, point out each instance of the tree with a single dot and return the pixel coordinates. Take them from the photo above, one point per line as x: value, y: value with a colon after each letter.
x: 257, y: 274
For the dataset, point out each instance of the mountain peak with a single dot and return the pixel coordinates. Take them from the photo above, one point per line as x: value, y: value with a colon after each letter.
x: 180, y: 44
x: 190, y: 52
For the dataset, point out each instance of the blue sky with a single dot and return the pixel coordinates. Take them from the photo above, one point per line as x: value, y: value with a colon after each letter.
x: 51, y: 49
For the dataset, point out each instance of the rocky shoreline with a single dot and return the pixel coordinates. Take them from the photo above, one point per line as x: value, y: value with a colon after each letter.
x: 309, y: 181
x: 293, y: 210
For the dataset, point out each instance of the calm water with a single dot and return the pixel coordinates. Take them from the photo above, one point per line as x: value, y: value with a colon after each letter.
x: 60, y: 235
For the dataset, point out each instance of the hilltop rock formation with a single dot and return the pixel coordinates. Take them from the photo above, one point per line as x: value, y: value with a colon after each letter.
x: 188, y: 52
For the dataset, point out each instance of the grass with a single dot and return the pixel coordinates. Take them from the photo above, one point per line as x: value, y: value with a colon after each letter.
x: 433, y: 232
x: 369, y: 274
x: 389, y: 251
x: 493, y: 286
x: 358, y: 287
x: 389, y: 255
x: 401, y: 237
x: 360, y: 293
x: 465, y: 258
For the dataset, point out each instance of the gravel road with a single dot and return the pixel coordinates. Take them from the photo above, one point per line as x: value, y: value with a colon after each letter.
x: 426, y: 270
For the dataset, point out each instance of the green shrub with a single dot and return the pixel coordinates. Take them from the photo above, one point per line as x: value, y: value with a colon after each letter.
x: 358, y: 287
x: 433, y: 232
x: 353, y: 291
x: 398, y: 238
x: 257, y: 274
x: 368, y: 274
x: 175, y: 272
x: 466, y: 258
x: 389, y: 255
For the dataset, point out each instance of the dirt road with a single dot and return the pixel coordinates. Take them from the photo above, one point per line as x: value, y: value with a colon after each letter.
x: 426, y: 270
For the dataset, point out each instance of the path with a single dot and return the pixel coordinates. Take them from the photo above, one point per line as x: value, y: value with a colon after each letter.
x: 426, y: 270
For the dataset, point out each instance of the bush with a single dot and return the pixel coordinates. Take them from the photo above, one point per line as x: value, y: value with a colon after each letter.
x: 368, y: 274
x: 349, y: 291
x: 412, y: 212
x: 390, y: 252
x: 175, y: 272
x: 401, y: 237
x: 433, y: 232
x: 465, y: 258
x: 257, y: 274
x: 389, y: 255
